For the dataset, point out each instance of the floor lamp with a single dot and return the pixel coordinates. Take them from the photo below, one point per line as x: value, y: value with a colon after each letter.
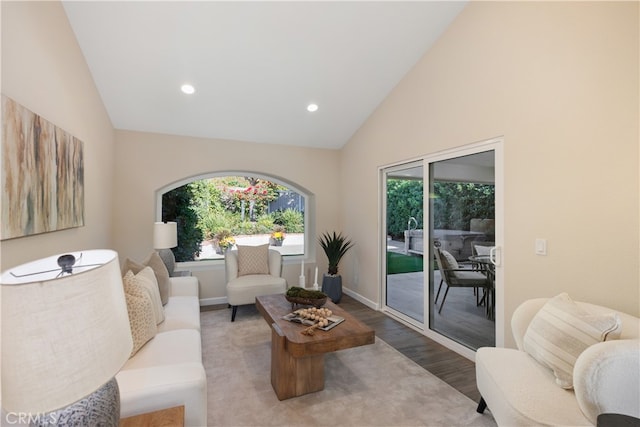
x: 165, y: 237
x: 65, y: 335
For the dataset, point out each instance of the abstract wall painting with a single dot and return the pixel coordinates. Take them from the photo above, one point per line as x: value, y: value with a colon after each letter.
x: 42, y: 175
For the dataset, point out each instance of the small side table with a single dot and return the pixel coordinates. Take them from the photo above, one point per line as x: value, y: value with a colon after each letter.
x: 617, y: 420
x: 171, y: 417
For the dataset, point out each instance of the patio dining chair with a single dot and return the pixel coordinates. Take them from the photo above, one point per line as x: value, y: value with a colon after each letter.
x: 453, y: 276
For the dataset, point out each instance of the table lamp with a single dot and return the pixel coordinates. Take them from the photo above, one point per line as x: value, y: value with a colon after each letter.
x: 65, y: 335
x: 165, y: 237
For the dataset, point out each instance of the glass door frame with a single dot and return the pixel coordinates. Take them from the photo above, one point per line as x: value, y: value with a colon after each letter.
x: 384, y: 172
x: 495, y: 144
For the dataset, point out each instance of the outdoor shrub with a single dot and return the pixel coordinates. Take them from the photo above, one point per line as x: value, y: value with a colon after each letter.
x: 177, y: 206
x: 264, y: 224
x: 456, y: 203
x: 214, y: 222
x: 292, y: 220
x: 404, y: 200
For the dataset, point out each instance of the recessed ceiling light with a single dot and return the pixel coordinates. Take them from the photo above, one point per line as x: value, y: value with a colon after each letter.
x: 312, y: 108
x: 187, y: 88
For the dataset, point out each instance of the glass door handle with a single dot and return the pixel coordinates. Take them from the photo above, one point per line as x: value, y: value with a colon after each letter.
x: 495, y: 256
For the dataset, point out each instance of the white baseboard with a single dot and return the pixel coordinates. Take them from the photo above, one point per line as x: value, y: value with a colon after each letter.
x: 372, y: 305
x: 223, y: 300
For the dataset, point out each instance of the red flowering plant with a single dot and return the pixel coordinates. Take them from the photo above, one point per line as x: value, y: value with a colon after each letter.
x: 258, y: 193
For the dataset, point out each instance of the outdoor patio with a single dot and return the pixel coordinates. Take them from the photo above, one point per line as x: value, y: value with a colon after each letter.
x: 461, y: 319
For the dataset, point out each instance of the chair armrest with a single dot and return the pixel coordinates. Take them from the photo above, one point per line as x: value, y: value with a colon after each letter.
x: 231, y: 265
x: 275, y: 263
x: 185, y: 286
x: 606, y: 379
x: 181, y: 273
x: 159, y: 387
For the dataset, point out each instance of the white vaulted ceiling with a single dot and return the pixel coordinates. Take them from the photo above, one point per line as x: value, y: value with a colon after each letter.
x: 255, y: 66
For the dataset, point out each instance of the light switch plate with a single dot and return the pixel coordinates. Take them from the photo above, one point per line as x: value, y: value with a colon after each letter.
x: 541, y: 246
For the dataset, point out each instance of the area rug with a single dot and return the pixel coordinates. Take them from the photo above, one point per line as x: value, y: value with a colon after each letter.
x: 373, y: 385
x: 400, y: 263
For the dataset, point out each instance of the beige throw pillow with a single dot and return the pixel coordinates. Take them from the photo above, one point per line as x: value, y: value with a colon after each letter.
x: 253, y: 260
x: 140, y: 309
x: 561, y: 331
x: 147, y: 279
x: 162, y: 275
x: 159, y: 269
x: 130, y: 264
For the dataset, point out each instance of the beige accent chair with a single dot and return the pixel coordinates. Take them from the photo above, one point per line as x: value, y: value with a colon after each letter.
x: 520, y: 391
x: 243, y: 289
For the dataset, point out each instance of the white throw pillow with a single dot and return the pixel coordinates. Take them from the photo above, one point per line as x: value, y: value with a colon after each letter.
x: 561, y: 331
x: 147, y: 279
x: 140, y: 310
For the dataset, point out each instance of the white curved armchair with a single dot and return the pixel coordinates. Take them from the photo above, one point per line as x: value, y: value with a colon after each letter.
x: 519, y: 391
x: 244, y: 288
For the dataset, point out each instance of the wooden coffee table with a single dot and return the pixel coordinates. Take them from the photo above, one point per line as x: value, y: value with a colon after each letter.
x: 297, y: 360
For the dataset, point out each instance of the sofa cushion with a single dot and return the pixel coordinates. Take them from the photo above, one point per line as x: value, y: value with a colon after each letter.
x: 253, y: 260
x: 147, y: 279
x: 140, y: 310
x: 168, y: 348
x: 181, y: 313
x: 245, y: 289
x: 561, y: 331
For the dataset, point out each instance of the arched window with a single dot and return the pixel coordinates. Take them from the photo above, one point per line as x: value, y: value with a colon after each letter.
x: 218, y: 211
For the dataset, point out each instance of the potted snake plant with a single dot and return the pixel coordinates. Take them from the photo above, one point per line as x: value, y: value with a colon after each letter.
x: 335, y: 246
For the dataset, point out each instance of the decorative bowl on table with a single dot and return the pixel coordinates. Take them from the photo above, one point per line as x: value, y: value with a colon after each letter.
x: 316, y: 302
x: 302, y: 296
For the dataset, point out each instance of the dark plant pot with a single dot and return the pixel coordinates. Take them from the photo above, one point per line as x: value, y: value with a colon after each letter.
x: 221, y: 251
x: 332, y: 286
x: 275, y: 242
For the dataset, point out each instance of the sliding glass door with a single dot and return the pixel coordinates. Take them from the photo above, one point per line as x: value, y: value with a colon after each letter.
x: 447, y: 204
x: 404, y: 241
x: 462, y: 228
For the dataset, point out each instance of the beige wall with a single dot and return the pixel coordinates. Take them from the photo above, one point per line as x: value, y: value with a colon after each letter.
x: 560, y: 82
x: 147, y: 162
x: 44, y: 70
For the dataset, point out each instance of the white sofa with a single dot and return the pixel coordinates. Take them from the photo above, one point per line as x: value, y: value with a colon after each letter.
x: 168, y: 371
x: 521, y: 392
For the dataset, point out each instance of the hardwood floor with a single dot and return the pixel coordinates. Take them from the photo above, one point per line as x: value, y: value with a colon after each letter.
x: 455, y: 370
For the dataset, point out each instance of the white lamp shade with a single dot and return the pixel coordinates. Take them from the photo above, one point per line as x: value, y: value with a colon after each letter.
x: 62, y: 337
x: 165, y: 235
